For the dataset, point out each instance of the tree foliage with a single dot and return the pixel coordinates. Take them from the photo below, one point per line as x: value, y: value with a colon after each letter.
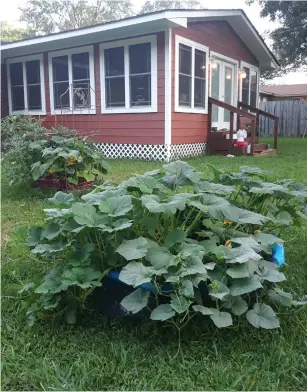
x: 10, y: 33
x: 51, y: 16
x: 152, y: 5
x: 290, y: 37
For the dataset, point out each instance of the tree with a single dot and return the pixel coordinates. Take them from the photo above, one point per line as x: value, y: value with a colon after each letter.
x: 158, y: 5
x: 290, y: 37
x: 10, y: 33
x: 51, y: 16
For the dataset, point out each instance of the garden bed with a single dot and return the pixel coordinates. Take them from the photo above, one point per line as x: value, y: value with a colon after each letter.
x: 61, y: 184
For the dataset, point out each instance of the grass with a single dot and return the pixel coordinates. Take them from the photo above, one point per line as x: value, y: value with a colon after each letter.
x: 108, y: 354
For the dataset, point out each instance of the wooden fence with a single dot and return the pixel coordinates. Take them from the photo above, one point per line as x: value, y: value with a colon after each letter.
x: 292, y: 118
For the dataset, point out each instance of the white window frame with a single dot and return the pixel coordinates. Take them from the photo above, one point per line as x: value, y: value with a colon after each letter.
x: 23, y: 60
x: 152, y: 39
x: 193, y: 45
x: 255, y: 68
x: 69, y: 52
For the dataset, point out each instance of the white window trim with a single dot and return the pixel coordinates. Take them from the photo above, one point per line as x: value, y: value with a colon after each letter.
x: 152, y: 39
x: 193, y: 45
x: 23, y: 60
x: 255, y: 68
x: 69, y: 52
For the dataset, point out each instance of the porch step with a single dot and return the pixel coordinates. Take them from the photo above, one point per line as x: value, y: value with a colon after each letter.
x: 266, y: 153
x: 259, y: 147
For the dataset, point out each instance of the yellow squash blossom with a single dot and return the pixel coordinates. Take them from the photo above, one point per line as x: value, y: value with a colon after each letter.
x: 226, y: 222
x: 51, y: 170
x: 228, y: 244
x: 70, y: 161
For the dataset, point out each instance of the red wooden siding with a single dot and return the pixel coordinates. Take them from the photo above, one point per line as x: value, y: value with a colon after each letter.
x: 220, y: 38
x: 4, y: 92
x: 134, y: 128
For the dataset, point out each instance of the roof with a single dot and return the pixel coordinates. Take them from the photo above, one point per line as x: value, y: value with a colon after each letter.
x: 141, y: 25
x: 285, y: 90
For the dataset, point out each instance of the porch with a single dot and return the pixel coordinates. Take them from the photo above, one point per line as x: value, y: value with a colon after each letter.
x: 222, y: 142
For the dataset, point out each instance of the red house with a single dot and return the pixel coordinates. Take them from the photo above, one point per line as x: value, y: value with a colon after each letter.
x: 140, y: 86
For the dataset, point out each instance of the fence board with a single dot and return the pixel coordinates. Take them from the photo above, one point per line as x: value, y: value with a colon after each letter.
x: 292, y: 118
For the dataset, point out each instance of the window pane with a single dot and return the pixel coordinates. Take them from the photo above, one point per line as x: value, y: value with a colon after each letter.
x: 61, y: 95
x: 18, y: 102
x: 81, y: 94
x: 115, y: 92
x: 253, y: 98
x: 253, y: 76
x: 228, y: 91
x: 140, y: 90
x: 60, y: 68
x: 245, y: 96
x: 33, y: 72
x: 80, y: 66
x: 114, y: 61
x: 245, y: 81
x: 34, y: 97
x: 199, y: 93
x: 185, y: 59
x: 16, y: 74
x: 184, y: 90
x: 215, y: 89
x: 200, y: 63
x: 139, y: 58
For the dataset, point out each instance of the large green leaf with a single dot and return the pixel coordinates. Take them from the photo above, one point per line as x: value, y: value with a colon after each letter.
x: 221, y: 319
x: 53, y: 283
x: 116, y: 206
x: 193, y: 265
x: 250, y: 241
x: 238, y: 271
x: 53, y: 247
x: 116, y: 225
x: 38, y: 169
x: 180, y: 303
x: 267, y: 188
x: 203, y: 310
x: 180, y: 173
x: 96, y: 197
x: 186, y: 289
x: 238, y: 215
x: 135, y: 301
x: 262, y: 316
x: 135, y: 274
x: 82, y: 277
x: 84, y: 214
x: 51, y: 231
x: 174, y: 237
x: 218, y: 290
x: 271, y: 275
x: 61, y: 198
x: 153, y: 204
x: 253, y: 170
x: 133, y: 249
x: 280, y: 297
x: 143, y: 183
x: 211, y: 187
x: 162, y: 312
x: 283, y: 218
x: 245, y: 285
x: 242, y: 254
x: 159, y: 257
x: 238, y: 306
x: 35, y: 236
x: 81, y: 255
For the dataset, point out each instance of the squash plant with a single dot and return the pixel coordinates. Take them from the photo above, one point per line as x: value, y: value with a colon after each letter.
x: 202, y: 246
x: 68, y: 158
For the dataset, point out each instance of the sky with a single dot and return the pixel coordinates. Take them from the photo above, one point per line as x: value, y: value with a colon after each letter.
x: 11, y: 13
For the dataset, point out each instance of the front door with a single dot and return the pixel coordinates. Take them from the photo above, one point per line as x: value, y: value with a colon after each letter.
x: 222, y: 88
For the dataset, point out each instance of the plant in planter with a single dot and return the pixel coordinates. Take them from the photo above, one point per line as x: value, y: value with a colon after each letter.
x: 66, y: 163
x: 182, y: 253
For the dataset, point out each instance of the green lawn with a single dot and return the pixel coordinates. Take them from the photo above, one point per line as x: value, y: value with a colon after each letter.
x: 108, y: 354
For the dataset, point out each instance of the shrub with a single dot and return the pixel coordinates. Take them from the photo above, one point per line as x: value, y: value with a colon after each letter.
x: 204, y: 249
x: 34, y: 151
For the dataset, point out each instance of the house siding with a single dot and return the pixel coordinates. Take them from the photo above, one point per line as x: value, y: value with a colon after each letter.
x: 131, y: 128
x: 220, y: 38
x: 4, y: 92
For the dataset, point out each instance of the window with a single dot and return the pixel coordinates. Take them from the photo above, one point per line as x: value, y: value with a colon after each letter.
x: 250, y: 85
x: 72, y: 81
x: 129, y: 76
x: 191, y: 88
x: 26, y: 85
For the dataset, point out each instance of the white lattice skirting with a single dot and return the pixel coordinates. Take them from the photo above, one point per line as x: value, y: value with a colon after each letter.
x: 152, y: 152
